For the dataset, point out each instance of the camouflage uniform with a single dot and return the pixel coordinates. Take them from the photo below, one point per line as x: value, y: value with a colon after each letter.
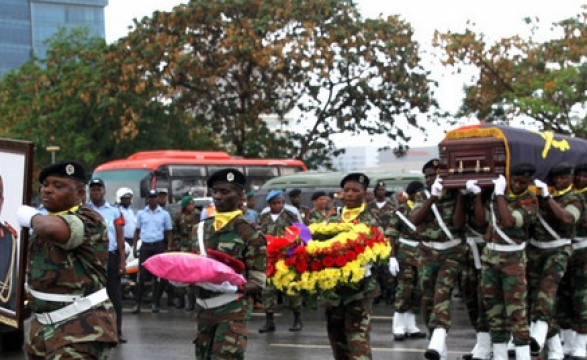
x: 222, y: 331
x: 439, y: 268
x: 277, y: 228
x: 348, y: 312
x: 316, y: 217
x: 182, y: 241
x: 407, y: 293
x: 503, y: 273
x: 546, y: 266
x: 305, y: 214
x: 77, y: 267
x: 384, y: 278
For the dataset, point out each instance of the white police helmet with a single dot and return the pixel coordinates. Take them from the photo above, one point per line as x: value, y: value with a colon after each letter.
x: 123, y: 191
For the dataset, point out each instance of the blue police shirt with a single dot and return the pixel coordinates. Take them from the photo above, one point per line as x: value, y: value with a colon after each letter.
x: 112, y: 216
x: 153, y: 223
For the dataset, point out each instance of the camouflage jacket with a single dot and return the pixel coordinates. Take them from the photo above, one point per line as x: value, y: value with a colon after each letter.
x: 316, y: 217
x: 182, y: 228
x: 524, y: 209
x: 384, y: 213
x: 398, y: 227
x: 581, y: 228
x: 76, y: 267
x: 430, y: 229
x: 277, y: 227
x: 305, y: 214
x: 572, y: 203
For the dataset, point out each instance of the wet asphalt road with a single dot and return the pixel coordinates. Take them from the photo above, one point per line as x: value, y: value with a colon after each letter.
x: 169, y: 335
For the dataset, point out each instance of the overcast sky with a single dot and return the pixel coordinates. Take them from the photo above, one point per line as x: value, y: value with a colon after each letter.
x: 495, y: 18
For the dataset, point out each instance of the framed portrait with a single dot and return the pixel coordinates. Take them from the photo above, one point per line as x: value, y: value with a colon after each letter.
x: 16, y: 171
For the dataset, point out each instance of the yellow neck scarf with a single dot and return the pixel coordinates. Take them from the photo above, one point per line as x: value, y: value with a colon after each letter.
x: 72, y: 209
x: 580, y: 191
x: 221, y: 219
x: 557, y: 193
x: 349, y: 215
x: 510, y: 195
x: 411, y: 204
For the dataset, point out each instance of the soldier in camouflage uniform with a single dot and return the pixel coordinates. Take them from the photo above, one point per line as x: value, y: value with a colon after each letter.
x: 548, y: 254
x: 439, y: 218
x: 183, y: 223
x: 405, y: 253
x: 572, y: 297
x: 509, y: 216
x: 348, y: 312
x: 224, y: 309
x: 274, y: 223
x: 319, y: 213
x: 471, y: 275
x: 67, y: 260
x: 384, y: 209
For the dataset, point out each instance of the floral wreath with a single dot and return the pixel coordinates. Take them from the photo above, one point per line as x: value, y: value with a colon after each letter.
x: 322, y: 257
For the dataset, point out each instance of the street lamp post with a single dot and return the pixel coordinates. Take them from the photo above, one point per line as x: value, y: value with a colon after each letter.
x: 52, y: 149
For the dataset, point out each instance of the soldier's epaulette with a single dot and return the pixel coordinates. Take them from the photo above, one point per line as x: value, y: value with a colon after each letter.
x: 240, y: 222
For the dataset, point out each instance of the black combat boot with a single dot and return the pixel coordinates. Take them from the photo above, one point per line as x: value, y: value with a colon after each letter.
x: 269, y: 324
x: 180, y: 301
x: 191, y: 302
x: 297, y: 325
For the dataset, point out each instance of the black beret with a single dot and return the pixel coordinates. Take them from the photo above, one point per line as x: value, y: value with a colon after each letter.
x: 318, y: 194
x: 581, y: 168
x: 356, y: 177
x: 66, y: 169
x: 96, y: 182
x: 229, y: 176
x: 431, y: 164
x: 379, y: 184
x: 563, y: 168
x: 152, y: 193
x: 295, y: 192
x: 414, y: 187
x: 523, y: 169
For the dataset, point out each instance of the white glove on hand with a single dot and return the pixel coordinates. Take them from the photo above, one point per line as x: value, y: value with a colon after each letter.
x: 436, y: 189
x: 368, y: 270
x: 543, y: 188
x: 25, y: 214
x: 393, y: 266
x: 499, y: 185
x: 472, y: 187
x: 226, y: 287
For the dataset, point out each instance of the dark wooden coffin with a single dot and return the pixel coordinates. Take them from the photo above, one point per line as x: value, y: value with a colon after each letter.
x: 481, y: 158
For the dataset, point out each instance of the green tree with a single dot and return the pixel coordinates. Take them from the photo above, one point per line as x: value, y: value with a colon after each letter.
x: 543, y: 82
x: 230, y: 62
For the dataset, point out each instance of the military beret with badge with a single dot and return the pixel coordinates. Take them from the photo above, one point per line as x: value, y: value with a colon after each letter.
x: 432, y: 164
x: 274, y: 194
x: 378, y: 185
x: 65, y: 169
x: 355, y: 177
x: 227, y: 176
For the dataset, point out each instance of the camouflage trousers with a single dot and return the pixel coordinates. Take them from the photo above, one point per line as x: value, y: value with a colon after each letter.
x: 222, y: 336
x: 504, y: 291
x: 571, y: 301
x: 471, y: 288
x: 545, y: 271
x: 407, y: 292
x: 349, y: 327
x: 269, y: 296
x: 439, y: 272
x: 81, y: 351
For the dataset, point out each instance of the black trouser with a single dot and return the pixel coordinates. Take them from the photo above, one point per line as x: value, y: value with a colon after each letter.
x: 113, y: 287
x: 146, y: 251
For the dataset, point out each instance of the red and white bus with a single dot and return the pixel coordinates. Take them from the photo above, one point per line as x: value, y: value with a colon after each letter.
x: 182, y: 172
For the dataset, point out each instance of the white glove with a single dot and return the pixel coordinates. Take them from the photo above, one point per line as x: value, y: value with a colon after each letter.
x: 393, y: 266
x: 499, y: 185
x: 368, y: 270
x: 226, y: 287
x: 472, y: 187
x: 436, y: 189
x: 543, y: 188
x: 25, y: 214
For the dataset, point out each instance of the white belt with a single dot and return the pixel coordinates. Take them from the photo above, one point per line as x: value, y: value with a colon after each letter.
x: 52, y: 297
x: 473, y: 245
x: 442, y: 245
x: 77, y: 307
x: 506, y: 248
x: 550, y: 244
x: 217, y: 301
x: 579, y: 243
x: 412, y: 243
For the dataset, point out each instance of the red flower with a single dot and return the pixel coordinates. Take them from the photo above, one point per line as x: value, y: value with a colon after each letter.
x: 360, y: 249
x: 351, y: 255
x: 336, y: 246
x: 316, y: 266
x: 340, y: 261
x: 289, y: 262
x: 270, y: 270
x: 328, y: 261
x: 300, y: 250
x: 302, y: 267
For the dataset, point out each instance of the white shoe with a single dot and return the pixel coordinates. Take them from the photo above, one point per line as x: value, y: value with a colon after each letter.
x: 500, y: 351
x: 482, y: 348
x: 523, y: 352
x: 579, y: 346
x: 555, y: 348
x: 538, y: 332
x: 567, y: 337
x: 399, y: 326
x: 437, y: 345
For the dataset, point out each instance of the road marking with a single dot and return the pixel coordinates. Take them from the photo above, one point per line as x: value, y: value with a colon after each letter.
x: 410, y: 350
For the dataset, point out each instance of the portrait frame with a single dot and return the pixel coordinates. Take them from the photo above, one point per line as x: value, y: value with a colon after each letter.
x: 16, y: 170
